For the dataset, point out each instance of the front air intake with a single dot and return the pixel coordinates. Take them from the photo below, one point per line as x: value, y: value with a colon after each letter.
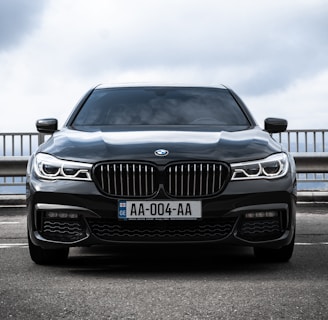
x: 126, y: 179
x: 196, y: 179
x: 178, y: 180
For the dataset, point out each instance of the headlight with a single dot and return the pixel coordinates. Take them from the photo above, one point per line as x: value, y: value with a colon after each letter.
x: 52, y: 168
x: 273, y: 167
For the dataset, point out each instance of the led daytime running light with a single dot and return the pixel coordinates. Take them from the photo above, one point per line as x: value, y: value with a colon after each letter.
x: 273, y: 167
x: 52, y: 168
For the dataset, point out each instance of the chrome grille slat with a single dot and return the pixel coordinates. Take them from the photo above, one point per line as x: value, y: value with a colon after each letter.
x: 170, y: 180
x: 176, y: 179
x: 201, y: 179
x: 128, y: 179
x: 220, y: 176
x: 140, y: 187
x: 134, y: 179
x: 102, y: 176
x: 186, y: 179
x: 152, y: 180
x: 108, y: 180
x: 207, y: 177
x: 146, y: 178
x: 115, y: 184
x: 121, y: 178
x: 213, y: 180
x: 194, y: 187
x: 181, y: 174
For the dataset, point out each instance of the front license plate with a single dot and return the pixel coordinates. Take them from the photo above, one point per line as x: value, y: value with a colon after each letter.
x: 168, y: 210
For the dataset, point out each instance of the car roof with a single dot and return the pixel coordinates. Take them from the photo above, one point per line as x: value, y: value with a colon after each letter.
x: 154, y: 85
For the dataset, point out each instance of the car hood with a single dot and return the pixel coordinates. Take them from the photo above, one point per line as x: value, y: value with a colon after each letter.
x: 98, y: 146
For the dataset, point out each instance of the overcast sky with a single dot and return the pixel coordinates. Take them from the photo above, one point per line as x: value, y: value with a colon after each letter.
x: 274, y: 54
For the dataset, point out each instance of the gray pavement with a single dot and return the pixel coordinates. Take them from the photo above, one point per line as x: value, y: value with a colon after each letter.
x: 227, y: 284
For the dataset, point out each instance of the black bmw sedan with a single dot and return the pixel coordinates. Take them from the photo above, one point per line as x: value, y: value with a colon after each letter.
x: 158, y: 165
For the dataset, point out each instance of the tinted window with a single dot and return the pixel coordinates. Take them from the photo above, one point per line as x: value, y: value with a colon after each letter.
x: 160, y: 106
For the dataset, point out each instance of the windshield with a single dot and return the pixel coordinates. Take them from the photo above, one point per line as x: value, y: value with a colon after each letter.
x: 151, y: 106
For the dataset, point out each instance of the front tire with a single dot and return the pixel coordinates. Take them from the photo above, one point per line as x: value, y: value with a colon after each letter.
x: 282, y: 254
x: 47, y: 256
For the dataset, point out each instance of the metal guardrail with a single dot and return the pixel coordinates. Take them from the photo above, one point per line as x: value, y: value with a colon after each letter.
x: 302, y: 143
x: 13, y: 166
x: 311, y: 140
x: 309, y: 148
x: 15, y: 148
x: 19, y: 144
x: 311, y: 162
x: 316, y: 140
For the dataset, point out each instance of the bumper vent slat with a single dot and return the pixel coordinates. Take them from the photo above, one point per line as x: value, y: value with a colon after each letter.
x: 261, y: 230
x: 179, y: 180
x: 168, y: 232
x: 63, y: 231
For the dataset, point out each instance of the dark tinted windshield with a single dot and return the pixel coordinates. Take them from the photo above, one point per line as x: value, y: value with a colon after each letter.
x: 160, y: 106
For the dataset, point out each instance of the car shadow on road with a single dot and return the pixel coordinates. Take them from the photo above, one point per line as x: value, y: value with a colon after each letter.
x: 163, y: 262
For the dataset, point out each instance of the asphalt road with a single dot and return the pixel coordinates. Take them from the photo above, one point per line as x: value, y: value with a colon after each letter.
x: 228, y: 284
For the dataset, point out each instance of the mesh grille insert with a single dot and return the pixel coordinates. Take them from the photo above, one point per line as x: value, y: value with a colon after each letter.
x: 261, y: 229
x: 63, y: 230
x: 160, y: 231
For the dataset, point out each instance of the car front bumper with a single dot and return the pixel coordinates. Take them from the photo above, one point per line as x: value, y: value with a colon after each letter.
x: 71, y: 213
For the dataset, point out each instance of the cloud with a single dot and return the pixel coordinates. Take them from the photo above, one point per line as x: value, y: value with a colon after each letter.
x: 270, y: 43
x: 17, y: 18
x: 303, y: 103
x: 262, y: 49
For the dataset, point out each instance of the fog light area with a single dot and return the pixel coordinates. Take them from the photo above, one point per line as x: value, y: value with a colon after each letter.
x: 61, y: 215
x: 262, y: 214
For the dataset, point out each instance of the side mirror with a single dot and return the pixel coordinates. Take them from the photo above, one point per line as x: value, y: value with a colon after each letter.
x: 48, y: 126
x: 275, y: 125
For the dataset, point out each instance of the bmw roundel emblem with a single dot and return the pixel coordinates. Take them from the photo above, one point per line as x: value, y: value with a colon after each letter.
x: 161, y: 153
